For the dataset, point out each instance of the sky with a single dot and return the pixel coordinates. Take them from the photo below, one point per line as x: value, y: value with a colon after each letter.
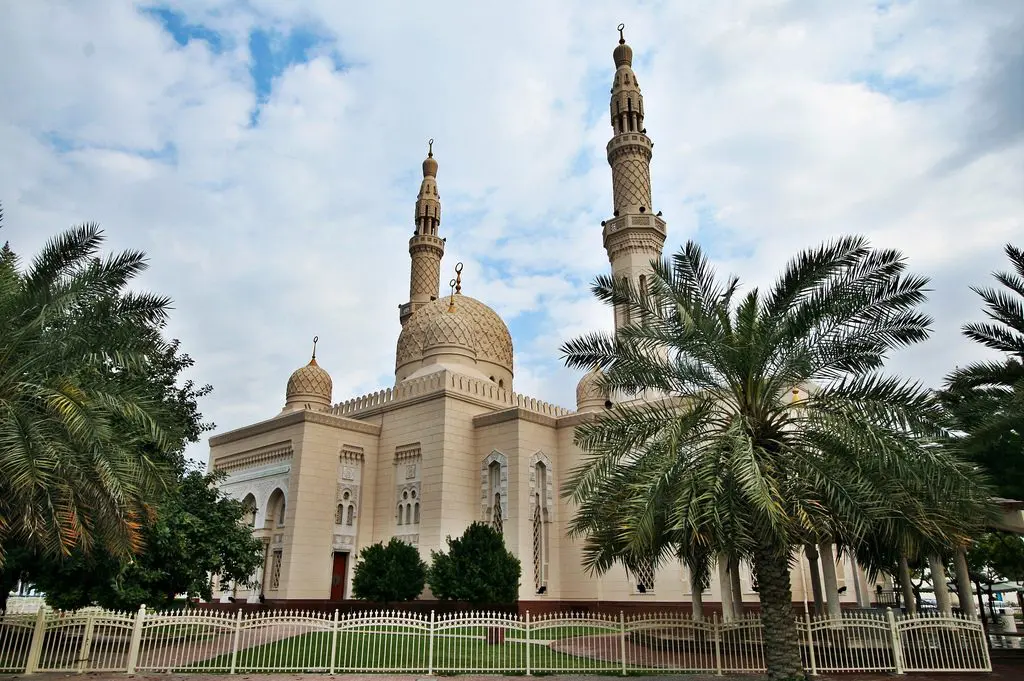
x: 266, y: 155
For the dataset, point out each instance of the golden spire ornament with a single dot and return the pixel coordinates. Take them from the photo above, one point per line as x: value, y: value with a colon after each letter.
x: 456, y: 285
x: 312, y: 361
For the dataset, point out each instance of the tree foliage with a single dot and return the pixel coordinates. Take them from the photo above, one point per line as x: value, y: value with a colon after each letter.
x: 196, y: 531
x: 477, y: 569
x: 97, y: 504
x: 722, y: 456
x: 83, y: 440
x: 390, y: 572
x: 987, y: 398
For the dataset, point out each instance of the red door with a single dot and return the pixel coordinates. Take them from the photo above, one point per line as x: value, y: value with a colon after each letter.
x: 338, y: 577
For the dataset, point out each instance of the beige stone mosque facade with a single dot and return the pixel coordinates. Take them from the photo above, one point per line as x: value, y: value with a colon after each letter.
x: 451, y: 442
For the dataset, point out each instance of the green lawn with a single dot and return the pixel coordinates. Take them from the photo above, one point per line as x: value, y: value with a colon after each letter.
x: 396, y: 648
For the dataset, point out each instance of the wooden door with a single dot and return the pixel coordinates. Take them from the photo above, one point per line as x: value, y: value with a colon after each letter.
x: 338, y: 576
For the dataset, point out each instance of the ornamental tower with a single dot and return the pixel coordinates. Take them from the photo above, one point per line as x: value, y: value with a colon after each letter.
x: 634, y: 235
x: 426, y: 248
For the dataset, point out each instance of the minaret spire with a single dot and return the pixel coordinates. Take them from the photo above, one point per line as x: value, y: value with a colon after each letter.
x: 634, y: 235
x: 426, y: 248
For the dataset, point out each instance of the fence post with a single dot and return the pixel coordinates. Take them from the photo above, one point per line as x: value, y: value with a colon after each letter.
x: 430, y: 649
x: 133, y: 647
x: 35, y: 648
x: 810, y: 644
x: 897, y: 647
x: 334, y: 640
x: 234, y: 640
x: 527, y: 630
x: 622, y: 640
x: 717, y: 633
x: 83, y: 651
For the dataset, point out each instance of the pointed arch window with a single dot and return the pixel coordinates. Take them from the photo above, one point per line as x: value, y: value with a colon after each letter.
x: 541, y: 525
x: 494, y: 489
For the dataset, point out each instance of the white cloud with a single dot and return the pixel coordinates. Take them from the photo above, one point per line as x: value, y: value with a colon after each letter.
x: 775, y: 125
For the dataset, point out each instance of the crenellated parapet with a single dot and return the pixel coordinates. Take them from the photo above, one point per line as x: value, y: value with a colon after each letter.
x: 450, y: 382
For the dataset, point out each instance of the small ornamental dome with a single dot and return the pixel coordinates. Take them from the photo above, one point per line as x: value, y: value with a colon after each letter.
x: 309, y: 387
x: 450, y: 328
x: 623, y: 53
x: 429, y: 164
x: 589, y: 395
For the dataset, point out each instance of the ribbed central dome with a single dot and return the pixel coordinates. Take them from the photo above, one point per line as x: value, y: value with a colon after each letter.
x: 491, y: 336
x: 450, y: 328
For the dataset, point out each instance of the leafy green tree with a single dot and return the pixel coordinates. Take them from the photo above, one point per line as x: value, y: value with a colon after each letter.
x: 721, y: 453
x: 389, y: 572
x: 995, y: 558
x: 195, y: 531
x: 477, y: 569
x: 82, y: 444
x: 987, y: 398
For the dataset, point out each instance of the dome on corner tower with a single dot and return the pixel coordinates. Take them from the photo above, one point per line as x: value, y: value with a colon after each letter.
x: 589, y: 394
x: 309, y: 386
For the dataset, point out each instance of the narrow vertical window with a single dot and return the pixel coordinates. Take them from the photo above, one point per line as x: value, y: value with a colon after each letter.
x: 275, y: 570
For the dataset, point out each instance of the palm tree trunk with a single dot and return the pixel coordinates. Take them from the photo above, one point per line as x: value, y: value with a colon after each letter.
x: 781, y: 646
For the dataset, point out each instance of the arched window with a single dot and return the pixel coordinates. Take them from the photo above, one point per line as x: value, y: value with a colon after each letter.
x: 339, y: 513
x: 399, y: 514
x: 276, y: 507
x: 643, y: 289
x: 541, y: 522
x: 416, y: 513
x: 350, y: 514
x: 249, y: 514
x: 494, y: 478
x: 408, y: 514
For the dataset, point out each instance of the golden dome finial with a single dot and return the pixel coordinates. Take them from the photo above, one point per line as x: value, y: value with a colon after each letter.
x: 312, y: 360
x: 456, y: 285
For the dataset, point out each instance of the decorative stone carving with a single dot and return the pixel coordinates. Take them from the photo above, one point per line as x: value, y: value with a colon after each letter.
x: 487, y: 492
x: 549, y: 487
x: 261, y: 456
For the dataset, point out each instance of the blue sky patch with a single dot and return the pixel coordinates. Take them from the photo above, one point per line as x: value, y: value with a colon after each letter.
x: 175, y: 23
x: 273, y: 52
x: 64, y: 144
x: 902, y: 88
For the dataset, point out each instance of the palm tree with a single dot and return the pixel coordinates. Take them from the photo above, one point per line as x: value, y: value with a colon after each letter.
x: 707, y: 449
x: 987, y: 398
x: 80, y: 436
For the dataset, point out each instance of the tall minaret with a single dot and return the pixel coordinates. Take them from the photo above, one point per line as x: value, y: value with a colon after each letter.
x: 635, y: 235
x: 426, y: 248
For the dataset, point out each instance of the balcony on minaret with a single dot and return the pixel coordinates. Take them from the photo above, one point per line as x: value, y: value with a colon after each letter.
x: 644, y: 230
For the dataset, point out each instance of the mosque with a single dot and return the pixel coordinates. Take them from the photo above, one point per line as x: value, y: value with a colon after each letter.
x: 452, y: 442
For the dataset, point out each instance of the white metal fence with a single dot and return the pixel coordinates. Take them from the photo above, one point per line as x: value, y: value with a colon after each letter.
x: 402, y: 642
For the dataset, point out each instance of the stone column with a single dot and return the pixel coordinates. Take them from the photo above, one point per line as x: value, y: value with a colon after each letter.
x: 963, y: 585
x: 812, y: 563
x: 725, y: 589
x: 939, y: 584
x: 909, y: 602
x: 865, y: 588
x: 737, y: 589
x: 696, y: 598
x: 828, y: 569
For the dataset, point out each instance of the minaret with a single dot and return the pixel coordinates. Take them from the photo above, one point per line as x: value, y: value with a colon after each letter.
x: 635, y: 235
x: 426, y: 248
